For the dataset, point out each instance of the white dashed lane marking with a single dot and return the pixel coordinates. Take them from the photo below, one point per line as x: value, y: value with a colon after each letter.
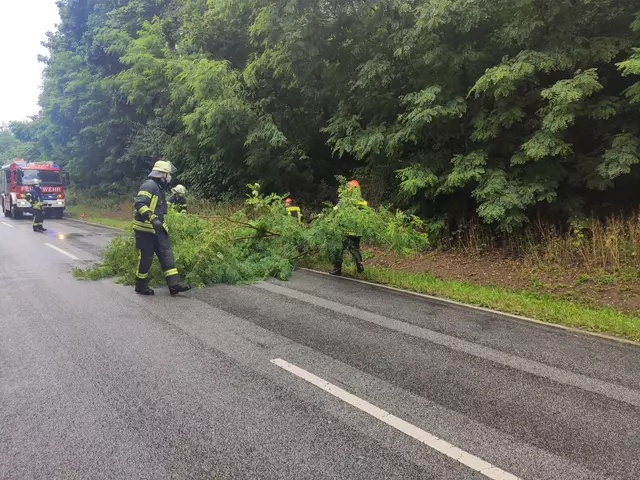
x: 442, y: 446
x: 71, y: 256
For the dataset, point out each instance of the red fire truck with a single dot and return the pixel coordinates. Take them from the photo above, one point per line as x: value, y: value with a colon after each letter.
x: 17, y: 178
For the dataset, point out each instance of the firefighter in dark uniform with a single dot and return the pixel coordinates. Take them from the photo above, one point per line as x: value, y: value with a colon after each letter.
x: 351, y: 241
x: 151, y: 232
x: 177, y: 201
x: 295, y: 212
x: 292, y: 210
x: 36, y: 199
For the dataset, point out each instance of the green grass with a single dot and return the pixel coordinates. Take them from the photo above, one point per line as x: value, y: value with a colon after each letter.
x: 96, y: 215
x: 543, y: 307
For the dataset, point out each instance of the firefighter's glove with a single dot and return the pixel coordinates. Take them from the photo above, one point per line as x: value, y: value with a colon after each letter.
x: 157, y: 225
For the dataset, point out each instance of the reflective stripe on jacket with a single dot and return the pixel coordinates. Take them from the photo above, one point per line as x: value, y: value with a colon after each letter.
x: 150, y: 203
x: 35, y: 198
x: 295, y: 213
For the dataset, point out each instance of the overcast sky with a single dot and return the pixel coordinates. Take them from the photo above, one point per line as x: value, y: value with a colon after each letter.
x: 23, y: 24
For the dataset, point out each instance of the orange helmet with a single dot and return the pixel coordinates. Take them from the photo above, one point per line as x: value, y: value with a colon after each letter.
x: 354, y: 183
x: 288, y: 201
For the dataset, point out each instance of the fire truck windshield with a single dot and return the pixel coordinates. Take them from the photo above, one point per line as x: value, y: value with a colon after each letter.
x: 48, y: 177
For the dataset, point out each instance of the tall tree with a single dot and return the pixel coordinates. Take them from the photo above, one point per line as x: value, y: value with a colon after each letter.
x: 499, y: 109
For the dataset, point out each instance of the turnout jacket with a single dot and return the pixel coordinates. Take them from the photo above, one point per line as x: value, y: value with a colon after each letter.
x: 178, y: 203
x: 150, y: 203
x: 35, y: 197
x: 295, y: 213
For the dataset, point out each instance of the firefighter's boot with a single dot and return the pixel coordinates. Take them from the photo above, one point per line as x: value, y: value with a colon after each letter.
x: 142, y: 287
x: 179, y: 288
x: 337, y: 269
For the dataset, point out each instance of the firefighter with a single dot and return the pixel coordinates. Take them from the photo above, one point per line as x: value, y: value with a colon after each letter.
x: 292, y: 210
x: 295, y: 212
x: 177, y: 201
x: 352, y: 241
x: 36, y: 199
x: 151, y: 231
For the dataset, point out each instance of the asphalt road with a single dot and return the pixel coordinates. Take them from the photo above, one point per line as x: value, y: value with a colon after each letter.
x: 314, y: 378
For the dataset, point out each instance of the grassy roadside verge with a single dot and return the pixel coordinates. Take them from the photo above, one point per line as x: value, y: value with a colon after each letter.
x: 540, y: 306
x: 97, y: 215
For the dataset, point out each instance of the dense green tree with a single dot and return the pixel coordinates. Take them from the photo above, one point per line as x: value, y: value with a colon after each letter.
x: 14, y: 143
x: 9, y: 145
x: 501, y: 109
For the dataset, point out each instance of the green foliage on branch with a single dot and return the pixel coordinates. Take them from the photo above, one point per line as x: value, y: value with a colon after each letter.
x: 261, y: 240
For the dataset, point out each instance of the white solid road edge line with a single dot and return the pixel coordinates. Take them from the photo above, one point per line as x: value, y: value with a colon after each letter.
x: 442, y: 446
x: 481, y: 309
x: 7, y: 224
x: 72, y: 257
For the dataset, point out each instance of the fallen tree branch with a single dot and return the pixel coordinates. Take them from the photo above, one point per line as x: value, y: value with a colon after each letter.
x: 308, y: 252
x: 238, y: 222
x: 256, y: 237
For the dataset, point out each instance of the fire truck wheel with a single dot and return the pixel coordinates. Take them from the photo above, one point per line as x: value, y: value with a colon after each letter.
x: 15, y: 213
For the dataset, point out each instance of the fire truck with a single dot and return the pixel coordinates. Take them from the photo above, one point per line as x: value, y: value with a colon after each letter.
x: 17, y: 178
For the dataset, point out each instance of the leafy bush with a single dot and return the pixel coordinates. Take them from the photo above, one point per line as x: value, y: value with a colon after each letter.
x: 260, y: 240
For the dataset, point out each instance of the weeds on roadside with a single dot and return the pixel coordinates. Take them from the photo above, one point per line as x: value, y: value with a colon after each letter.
x: 607, y: 244
x: 610, y: 244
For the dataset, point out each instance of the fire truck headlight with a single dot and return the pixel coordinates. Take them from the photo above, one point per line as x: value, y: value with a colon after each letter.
x: 60, y: 203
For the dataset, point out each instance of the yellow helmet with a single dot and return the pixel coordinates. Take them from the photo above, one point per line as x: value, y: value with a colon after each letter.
x: 163, y: 167
x: 179, y: 189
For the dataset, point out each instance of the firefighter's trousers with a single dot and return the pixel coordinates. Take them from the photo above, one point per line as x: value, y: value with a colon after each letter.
x: 38, y: 217
x: 159, y: 244
x: 351, y: 243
